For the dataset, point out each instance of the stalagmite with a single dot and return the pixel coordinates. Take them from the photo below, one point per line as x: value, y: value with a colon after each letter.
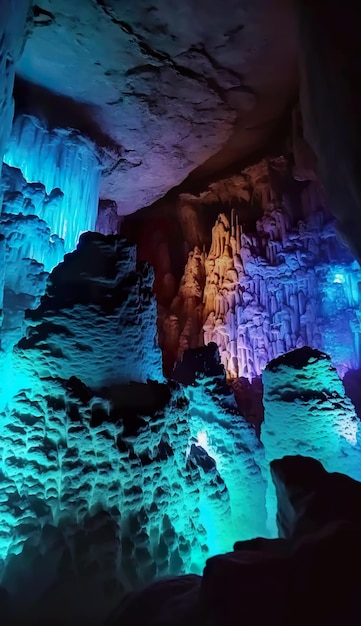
x: 259, y: 294
x: 307, y: 412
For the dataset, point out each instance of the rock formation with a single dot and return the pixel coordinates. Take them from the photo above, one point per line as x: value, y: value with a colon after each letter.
x: 111, y: 477
x: 171, y: 86
x: 305, y: 398
x: 309, y: 497
x: 310, y: 576
x: 261, y: 291
x: 59, y: 159
x: 50, y: 180
x: 12, y: 36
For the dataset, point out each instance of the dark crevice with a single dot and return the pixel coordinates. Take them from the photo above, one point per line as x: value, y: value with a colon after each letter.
x: 234, y: 31
x: 159, y: 55
x: 41, y: 17
x: 201, y: 49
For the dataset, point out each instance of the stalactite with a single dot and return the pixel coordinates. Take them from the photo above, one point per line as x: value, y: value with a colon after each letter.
x: 59, y: 159
x: 51, y: 188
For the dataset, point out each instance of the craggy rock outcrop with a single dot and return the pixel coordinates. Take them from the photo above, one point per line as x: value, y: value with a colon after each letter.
x: 304, y: 394
x: 97, y: 304
x: 172, y: 85
x: 110, y: 477
x: 307, y: 412
x: 31, y: 250
x: 265, y: 273
x: 310, y: 577
x: 50, y: 180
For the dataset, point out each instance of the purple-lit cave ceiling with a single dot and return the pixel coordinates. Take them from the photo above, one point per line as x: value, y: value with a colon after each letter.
x: 164, y: 87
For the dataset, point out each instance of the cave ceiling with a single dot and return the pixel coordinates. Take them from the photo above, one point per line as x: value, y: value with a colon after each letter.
x: 164, y: 88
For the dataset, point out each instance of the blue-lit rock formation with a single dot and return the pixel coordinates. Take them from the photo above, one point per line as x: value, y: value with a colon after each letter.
x: 307, y: 412
x: 30, y: 251
x: 50, y: 181
x: 58, y: 159
x: 109, y: 476
x: 97, y: 319
x: 217, y: 429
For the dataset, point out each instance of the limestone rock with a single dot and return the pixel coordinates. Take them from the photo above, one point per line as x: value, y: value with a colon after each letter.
x: 171, y: 85
x: 97, y: 303
x: 312, y: 576
x: 307, y: 412
x: 110, y: 479
x: 262, y: 286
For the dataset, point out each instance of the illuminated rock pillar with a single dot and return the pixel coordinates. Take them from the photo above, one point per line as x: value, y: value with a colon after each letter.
x: 260, y: 293
x: 307, y: 412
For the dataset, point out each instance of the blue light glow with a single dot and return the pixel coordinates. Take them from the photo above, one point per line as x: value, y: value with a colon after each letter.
x: 340, y: 315
x: 339, y: 278
x: 60, y: 160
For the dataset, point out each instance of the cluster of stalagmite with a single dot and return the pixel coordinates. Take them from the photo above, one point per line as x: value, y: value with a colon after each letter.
x: 261, y: 292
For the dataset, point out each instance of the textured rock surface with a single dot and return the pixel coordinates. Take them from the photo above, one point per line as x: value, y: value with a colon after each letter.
x: 268, y: 276
x: 98, y: 303
x: 304, y: 397
x: 108, y: 483
x: 59, y: 159
x: 51, y: 184
x: 219, y: 433
x: 30, y: 251
x: 161, y: 86
x: 312, y: 577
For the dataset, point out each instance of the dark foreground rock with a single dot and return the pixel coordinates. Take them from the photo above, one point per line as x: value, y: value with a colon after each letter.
x: 309, y: 498
x: 310, y: 577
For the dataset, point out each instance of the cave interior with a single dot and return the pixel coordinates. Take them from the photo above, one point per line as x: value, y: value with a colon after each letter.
x: 180, y: 312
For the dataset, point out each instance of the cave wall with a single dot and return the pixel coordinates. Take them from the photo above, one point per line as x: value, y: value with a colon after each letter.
x: 13, y: 16
x: 330, y: 70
